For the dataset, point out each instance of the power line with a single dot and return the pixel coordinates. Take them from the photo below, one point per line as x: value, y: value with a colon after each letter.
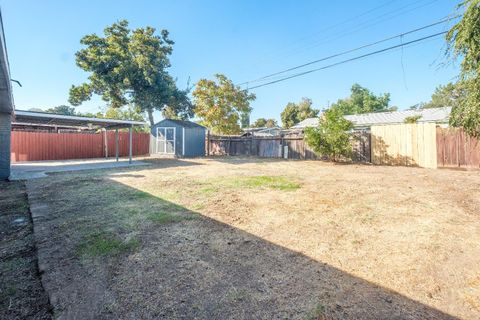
x: 364, y: 25
x: 401, y: 35
x: 349, y: 60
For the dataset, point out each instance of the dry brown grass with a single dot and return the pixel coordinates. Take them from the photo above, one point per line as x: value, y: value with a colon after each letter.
x: 385, y: 241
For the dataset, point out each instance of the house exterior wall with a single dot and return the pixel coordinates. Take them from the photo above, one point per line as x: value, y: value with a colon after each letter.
x: 5, y: 131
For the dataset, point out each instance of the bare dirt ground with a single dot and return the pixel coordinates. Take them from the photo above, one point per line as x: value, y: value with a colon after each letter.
x: 252, y: 239
x: 21, y: 292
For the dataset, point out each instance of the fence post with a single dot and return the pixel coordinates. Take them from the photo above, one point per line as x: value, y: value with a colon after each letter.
x: 106, y: 142
x: 208, y: 143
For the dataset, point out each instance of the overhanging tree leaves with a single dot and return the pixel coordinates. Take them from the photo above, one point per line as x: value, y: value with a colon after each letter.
x: 331, y: 138
x: 220, y: 104
x: 449, y: 95
x: 129, y: 67
x: 464, y: 40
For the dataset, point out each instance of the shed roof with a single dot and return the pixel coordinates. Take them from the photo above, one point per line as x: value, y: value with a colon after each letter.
x: 182, y: 123
x: 437, y: 115
x: 33, y: 117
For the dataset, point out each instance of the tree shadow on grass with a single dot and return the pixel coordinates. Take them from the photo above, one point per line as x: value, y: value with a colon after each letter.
x: 187, y: 266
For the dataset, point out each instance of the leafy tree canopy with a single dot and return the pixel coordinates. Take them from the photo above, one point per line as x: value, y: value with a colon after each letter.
x: 331, y: 138
x: 296, y: 112
x: 129, y: 67
x: 449, y: 95
x: 65, y: 110
x: 464, y: 40
x: 262, y: 123
x: 220, y: 104
x: 362, y: 100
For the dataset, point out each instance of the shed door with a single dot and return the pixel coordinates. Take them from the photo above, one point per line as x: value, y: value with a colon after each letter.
x: 166, y: 140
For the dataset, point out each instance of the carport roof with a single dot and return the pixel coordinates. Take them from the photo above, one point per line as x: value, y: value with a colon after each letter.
x: 33, y: 117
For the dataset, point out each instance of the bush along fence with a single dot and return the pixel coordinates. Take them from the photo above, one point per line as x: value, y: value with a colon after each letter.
x: 280, y: 147
x: 423, y: 145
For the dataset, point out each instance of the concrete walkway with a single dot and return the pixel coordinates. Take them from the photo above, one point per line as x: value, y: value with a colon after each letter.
x: 39, y: 169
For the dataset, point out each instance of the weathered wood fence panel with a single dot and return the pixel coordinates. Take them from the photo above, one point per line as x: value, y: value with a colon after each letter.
x: 455, y: 148
x: 405, y: 145
x: 33, y: 146
x: 274, y: 147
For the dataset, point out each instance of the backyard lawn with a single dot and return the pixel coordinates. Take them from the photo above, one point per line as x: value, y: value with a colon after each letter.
x: 252, y: 239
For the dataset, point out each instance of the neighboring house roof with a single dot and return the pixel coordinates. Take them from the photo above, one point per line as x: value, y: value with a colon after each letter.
x: 275, y: 131
x: 437, y: 115
x: 307, y: 123
x: 182, y: 123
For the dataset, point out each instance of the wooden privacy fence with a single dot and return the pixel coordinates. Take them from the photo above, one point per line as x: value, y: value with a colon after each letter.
x: 405, y: 145
x: 457, y: 149
x: 420, y: 144
x: 280, y: 147
x: 32, y: 146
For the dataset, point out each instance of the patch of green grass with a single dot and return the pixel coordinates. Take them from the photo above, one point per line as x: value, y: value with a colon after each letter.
x: 270, y: 182
x: 208, y: 190
x: 103, y: 244
x: 238, y: 295
x: 164, y: 217
x: 317, y: 313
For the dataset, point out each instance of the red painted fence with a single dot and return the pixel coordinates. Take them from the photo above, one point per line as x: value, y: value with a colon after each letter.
x: 32, y: 146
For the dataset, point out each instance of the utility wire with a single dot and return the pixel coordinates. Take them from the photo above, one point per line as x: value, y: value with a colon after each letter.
x: 364, y: 25
x: 349, y: 60
x: 401, y: 35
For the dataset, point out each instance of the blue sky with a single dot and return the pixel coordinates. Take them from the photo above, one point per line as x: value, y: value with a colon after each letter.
x: 242, y: 39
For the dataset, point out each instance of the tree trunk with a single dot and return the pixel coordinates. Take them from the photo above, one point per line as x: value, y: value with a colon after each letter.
x: 150, y: 117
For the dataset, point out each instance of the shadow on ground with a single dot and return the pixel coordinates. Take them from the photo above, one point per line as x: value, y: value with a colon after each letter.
x: 170, y: 262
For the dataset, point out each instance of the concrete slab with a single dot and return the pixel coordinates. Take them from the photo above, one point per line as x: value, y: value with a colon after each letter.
x: 39, y: 169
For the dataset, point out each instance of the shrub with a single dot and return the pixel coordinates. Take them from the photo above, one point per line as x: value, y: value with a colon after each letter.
x: 331, y: 138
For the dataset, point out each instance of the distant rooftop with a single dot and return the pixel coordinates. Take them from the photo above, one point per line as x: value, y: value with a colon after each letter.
x: 436, y: 115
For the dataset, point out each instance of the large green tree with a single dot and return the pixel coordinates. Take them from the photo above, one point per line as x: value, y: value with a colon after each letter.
x: 221, y: 105
x: 331, y: 138
x: 449, y: 95
x: 296, y: 112
x: 264, y: 123
x: 62, y: 109
x: 464, y: 41
x: 362, y: 100
x: 129, y: 67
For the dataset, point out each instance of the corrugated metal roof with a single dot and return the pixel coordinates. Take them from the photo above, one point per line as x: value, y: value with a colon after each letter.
x: 437, y: 115
x: 60, y: 119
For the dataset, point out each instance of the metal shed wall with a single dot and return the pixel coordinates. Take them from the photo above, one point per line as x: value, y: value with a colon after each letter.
x: 194, y: 142
x: 194, y: 138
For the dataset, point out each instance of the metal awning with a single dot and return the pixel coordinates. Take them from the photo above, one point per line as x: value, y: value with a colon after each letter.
x: 33, y: 117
